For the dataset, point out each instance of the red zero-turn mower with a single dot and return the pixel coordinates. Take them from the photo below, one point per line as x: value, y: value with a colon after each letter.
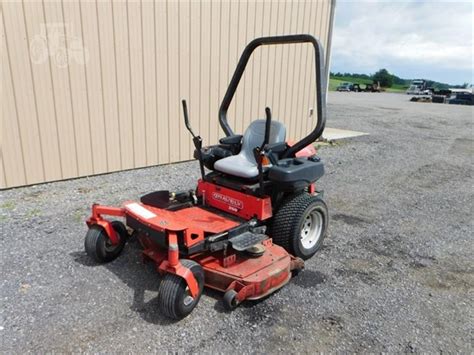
x: 250, y: 223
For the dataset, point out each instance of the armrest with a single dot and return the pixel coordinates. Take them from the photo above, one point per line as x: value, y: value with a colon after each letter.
x: 234, y: 139
x: 276, y: 147
x: 275, y: 150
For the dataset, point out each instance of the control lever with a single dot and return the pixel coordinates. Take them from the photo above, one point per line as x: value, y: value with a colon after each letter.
x: 268, y: 124
x: 197, y: 140
x: 258, y: 152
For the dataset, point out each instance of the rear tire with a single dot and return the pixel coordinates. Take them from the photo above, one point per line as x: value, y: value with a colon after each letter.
x: 98, y: 245
x: 300, y: 225
x: 174, y: 299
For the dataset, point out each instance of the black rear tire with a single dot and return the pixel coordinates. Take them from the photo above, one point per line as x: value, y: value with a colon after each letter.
x: 174, y: 299
x: 287, y: 228
x: 98, y: 245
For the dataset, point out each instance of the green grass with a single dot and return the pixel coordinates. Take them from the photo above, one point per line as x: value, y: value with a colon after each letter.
x: 352, y: 80
x: 35, y: 212
x: 8, y: 205
x: 334, y: 82
x: 397, y: 88
x: 79, y: 215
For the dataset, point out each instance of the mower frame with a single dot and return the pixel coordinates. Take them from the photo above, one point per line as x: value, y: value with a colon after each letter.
x: 215, y: 225
x: 320, y: 85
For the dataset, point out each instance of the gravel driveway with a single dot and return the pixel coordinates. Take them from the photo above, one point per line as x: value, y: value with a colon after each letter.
x: 395, y: 274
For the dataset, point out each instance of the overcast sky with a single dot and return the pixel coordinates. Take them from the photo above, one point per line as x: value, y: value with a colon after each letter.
x: 412, y: 39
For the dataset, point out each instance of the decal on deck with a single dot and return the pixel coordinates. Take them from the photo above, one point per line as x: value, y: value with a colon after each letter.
x: 140, y: 211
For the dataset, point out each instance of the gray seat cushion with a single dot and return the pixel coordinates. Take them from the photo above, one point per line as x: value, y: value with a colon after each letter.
x: 237, y: 165
x: 244, y: 164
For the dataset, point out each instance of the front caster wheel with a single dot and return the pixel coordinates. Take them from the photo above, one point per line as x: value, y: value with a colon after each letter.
x: 98, y: 245
x: 230, y: 300
x: 174, y: 299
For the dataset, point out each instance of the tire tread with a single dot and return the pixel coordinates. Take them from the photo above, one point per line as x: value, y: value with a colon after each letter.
x: 90, y: 243
x: 284, y: 224
x: 170, y: 289
x: 94, y: 239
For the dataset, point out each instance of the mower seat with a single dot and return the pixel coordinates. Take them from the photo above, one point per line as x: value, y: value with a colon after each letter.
x: 243, y: 164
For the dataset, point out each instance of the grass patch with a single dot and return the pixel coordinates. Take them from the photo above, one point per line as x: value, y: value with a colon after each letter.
x: 335, y: 81
x: 322, y: 144
x: 352, y: 80
x: 35, y: 212
x: 397, y: 88
x: 8, y: 205
x: 78, y: 216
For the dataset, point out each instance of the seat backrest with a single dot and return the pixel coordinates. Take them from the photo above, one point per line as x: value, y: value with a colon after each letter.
x: 255, y: 134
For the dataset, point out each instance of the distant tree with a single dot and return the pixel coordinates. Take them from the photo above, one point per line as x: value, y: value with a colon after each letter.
x: 399, y: 81
x: 431, y: 83
x: 383, y: 77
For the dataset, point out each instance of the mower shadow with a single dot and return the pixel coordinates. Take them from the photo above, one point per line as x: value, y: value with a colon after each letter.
x: 143, y: 279
x: 247, y: 305
x: 140, y: 277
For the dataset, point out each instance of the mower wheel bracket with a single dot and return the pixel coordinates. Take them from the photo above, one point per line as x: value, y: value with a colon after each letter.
x: 106, y: 226
x: 184, y: 273
x: 296, y: 264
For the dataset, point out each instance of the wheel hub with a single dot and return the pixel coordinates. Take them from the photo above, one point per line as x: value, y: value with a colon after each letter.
x: 311, y: 229
x: 188, y: 300
x: 109, y: 246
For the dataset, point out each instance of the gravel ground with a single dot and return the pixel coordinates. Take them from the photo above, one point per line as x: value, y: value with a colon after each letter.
x: 395, y: 274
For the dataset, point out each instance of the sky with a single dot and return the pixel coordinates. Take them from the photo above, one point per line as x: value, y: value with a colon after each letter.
x: 411, y: 39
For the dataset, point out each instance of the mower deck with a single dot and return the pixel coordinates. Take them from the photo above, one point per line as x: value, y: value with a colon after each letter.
x: 251, y: 277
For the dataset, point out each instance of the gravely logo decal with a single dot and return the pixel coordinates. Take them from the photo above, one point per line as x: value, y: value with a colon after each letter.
x: 232, y: 202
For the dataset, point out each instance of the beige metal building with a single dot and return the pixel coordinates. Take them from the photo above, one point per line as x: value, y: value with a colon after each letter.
x: 90, y: 87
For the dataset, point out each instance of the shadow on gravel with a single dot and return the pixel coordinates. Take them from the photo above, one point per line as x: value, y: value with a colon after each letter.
x: 82, y: 258
x: 349, y: 219
x: 305, y: 279
x: 247, y: 306
x: 140, y: 277
x: 309, y: 278
x: 143, y: 278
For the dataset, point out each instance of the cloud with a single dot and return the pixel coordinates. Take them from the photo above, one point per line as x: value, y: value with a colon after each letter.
x: 406, y: 37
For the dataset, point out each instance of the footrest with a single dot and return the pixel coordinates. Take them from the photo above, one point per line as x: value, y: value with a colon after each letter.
x: 245, y: 240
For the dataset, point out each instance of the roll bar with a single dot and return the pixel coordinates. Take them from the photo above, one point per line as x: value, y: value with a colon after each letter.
x: 320, y: 85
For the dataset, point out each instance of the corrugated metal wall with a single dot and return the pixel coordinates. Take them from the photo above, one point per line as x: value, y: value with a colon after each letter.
x: 90, y: 87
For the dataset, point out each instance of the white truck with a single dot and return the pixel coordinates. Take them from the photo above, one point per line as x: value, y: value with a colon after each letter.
x: 418, y: 87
